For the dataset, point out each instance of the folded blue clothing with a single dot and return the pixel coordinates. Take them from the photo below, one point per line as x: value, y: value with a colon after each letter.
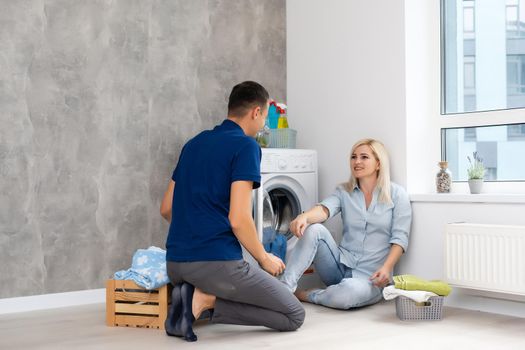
x: 148, y: 268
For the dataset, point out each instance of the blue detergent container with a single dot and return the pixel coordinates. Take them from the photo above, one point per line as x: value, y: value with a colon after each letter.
x: 273, y: 117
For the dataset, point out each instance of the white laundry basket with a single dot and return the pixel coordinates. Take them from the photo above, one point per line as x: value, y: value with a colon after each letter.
x: 282, y: 138
x: 409, y: 310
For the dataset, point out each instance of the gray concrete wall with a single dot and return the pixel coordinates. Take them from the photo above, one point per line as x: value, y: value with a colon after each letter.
x: 96, y: 100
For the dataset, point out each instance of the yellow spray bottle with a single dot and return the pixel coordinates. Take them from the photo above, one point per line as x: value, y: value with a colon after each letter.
x: 282, y: 122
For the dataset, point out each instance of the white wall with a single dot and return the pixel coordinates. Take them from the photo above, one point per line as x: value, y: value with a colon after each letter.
x: 345, y: 74
x: 372, y: 69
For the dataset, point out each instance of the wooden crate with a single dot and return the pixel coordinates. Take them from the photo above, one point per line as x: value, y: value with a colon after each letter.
x: 130, y: 305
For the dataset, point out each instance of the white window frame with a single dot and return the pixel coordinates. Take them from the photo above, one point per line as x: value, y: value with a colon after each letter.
x: 486, y: 118
x: 423, y: 105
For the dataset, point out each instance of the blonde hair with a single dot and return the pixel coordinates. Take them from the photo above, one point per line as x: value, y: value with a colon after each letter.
x: 383, y: 174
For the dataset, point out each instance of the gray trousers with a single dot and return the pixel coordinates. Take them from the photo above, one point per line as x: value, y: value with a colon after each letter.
x: 246, y: 294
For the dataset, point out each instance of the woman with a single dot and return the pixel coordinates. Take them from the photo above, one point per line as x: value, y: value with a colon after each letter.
x: 376, y: 218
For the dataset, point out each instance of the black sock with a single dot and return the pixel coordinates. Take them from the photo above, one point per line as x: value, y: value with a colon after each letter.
x: 186, y: 318
x: 206, y: 315
x: 174, y: 312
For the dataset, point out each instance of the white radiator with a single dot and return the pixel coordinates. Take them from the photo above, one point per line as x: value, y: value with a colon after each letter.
x: 486, y: 257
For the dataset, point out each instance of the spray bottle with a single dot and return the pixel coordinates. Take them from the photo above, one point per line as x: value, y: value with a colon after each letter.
x: 282, y: 123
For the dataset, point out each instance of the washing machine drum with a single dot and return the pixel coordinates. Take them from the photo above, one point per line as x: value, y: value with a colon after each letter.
x: 280, y: 207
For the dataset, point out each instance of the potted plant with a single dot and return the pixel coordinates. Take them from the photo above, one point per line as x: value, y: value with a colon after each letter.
x: 476, y: 172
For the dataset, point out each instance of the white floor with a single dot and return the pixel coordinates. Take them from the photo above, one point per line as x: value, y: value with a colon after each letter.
x: 375, y: 327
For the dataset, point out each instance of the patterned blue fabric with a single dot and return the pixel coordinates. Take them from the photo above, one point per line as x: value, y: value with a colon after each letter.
x: 148, y: 268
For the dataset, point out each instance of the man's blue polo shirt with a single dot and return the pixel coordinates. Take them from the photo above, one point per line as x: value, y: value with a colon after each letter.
x: 200, y: 229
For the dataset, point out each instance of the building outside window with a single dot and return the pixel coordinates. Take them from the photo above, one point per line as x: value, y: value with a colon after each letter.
x: 516, y: 132
x: 483, y: 70
x: 515, y: 17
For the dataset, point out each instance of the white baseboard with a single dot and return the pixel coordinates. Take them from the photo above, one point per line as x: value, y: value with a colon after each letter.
x: 486, y: 302
x: 457, y: 299
x: 52, y: 301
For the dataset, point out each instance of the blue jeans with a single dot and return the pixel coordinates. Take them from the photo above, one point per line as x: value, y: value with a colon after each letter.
x: 346, y: 288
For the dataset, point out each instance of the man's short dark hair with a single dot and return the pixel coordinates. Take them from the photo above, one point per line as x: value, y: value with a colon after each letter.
x: 245, y: 96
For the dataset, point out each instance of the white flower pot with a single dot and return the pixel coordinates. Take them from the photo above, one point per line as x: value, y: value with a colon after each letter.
x: 475, y: 185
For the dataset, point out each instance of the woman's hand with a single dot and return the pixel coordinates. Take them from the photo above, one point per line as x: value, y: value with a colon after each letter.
x: 298, y: 225
x: 381, y: 277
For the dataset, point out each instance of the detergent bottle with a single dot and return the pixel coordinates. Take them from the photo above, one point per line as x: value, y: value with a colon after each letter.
x: 273, y: 116
x: 282, y: 123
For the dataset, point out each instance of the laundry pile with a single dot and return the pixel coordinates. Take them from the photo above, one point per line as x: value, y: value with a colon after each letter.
x: 274, y: 242
x: 415, y: 288
x: 148, y: 268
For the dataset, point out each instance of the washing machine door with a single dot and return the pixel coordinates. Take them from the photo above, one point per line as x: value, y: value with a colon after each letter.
x: 288, y: 199
x: 269, y: 219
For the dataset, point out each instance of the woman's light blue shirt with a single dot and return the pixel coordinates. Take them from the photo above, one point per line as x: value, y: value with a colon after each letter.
x: 369, y: 233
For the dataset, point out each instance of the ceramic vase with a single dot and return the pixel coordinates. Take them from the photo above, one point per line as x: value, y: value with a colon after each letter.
x: 475, y: 185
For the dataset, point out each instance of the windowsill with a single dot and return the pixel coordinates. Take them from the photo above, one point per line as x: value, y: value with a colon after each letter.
x: 501, y: 198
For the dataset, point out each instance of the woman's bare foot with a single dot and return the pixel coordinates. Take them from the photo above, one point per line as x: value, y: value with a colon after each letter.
x: 201, y: 302
x: 302, y: 295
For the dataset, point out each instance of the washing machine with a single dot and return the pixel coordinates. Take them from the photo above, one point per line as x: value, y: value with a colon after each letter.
x: 288, y: 188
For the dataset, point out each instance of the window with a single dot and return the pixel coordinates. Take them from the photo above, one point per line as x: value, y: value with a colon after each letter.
x: 515, y: 78
x: 484, y: 55
x: 469, y: 134
x: 501, y: 147
x: 515, y: 17
x: 516, y: 132
x: 468, y: 18
x: 469, y: 83
x: 483, y: 70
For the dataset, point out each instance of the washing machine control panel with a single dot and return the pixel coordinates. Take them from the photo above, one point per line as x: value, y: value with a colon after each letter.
x: 288, y: 161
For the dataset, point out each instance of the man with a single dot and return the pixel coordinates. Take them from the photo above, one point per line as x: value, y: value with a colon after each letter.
x: 209, y: 206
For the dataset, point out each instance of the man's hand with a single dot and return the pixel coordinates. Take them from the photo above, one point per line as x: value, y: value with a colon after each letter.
x: 272, y: 264
x: 381, y: 277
